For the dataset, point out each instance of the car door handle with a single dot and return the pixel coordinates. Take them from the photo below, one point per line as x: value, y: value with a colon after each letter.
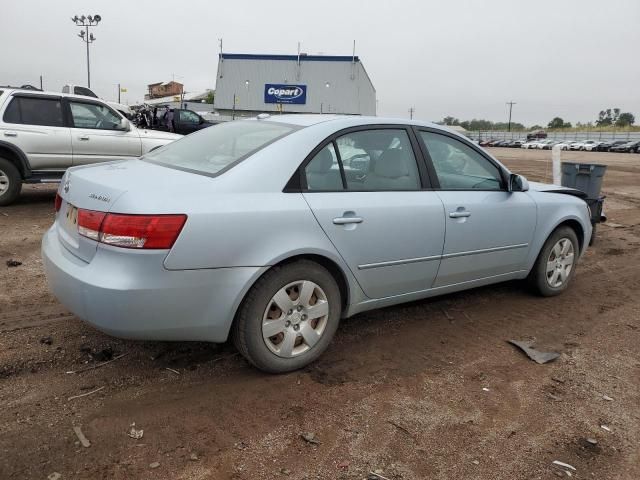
x: 459, y: 214
x: 10, y: 134
x: 346, y: 220
x: 83, y: 137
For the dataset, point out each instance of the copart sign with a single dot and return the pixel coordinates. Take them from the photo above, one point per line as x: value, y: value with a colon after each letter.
x: 276, y: 93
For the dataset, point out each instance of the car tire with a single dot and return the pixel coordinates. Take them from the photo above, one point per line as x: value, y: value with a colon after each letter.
x: 550, y: 275
x: 288, y: 349
x: 10, y: 182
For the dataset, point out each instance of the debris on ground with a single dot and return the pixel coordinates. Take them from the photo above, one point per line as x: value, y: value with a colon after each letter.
x: 154, y: 465
x: 134, y: 432
x: 285, y: 471
x: 84, y: 441
x: 537, y: 356
x: 85, y: 394
x: 553, y: 397
x: 92, y: 367
x: 193, y: 457
x: 103, y: 355
x: 376, y: 476
x: 607, y: 398
x: 344, y: 464
x: 54, y: 476
x: 591, y: 441
x: 172, y: 370
x: 485, y: 389
x: 13, y: 263
x: 310, y: 437
x: 46, y: 340
x: 605, y: 428
x: 564, y: 465
x: 401, y: 428
x: 557, y: 379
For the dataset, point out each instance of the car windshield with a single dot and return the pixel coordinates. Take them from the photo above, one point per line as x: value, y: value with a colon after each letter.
x: 218, y: 148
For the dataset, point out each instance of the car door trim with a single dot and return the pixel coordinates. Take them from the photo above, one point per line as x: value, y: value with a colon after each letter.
x: 485, y: 250
x: 392, y: 263
x: 406, y: 261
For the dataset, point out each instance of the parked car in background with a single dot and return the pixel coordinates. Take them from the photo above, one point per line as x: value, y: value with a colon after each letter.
x: 177, y: 120
x: 591, y: 145
x: 546, y: 144
x: 606, y: 146
x: 515, y: 144
x: 566, y: 144
x: 530, y: 144
x: 629, y: 147
x: 44, y: 133
x: 150, y: 263
x: 538, y: 134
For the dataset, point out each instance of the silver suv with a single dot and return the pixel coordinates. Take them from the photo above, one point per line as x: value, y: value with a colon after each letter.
x: 44, y: 133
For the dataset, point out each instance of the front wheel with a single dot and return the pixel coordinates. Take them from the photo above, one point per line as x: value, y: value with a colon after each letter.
x: 556, y: 263
x: 10, y: 182
x: 289, y: 317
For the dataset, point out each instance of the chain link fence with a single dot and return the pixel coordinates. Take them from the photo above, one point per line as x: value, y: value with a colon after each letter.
x: 590, y: 134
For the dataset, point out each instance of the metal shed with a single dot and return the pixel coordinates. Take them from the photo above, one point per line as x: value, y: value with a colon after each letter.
x: 248, y: 84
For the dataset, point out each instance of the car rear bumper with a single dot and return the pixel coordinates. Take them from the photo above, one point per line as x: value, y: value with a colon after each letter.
x: 131, y: 295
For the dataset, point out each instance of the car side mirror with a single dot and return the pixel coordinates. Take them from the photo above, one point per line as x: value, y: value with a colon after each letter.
x: 517, y: 183
x: 124, y: 125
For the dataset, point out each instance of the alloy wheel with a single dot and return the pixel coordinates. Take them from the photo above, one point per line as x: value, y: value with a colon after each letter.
x: 295, y: 318
x: 4, y: 182
x: 560, y: 263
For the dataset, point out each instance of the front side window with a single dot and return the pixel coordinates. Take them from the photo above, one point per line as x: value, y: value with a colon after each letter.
x: 458, y: 166
x: 323, y: 171
x: 89, y: 115
x: 379, y: 160
x: 34, y: 111
x: 216, y: 148
x: 187, y: 116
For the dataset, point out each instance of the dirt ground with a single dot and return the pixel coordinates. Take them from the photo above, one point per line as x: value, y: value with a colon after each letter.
x: 427, y: 390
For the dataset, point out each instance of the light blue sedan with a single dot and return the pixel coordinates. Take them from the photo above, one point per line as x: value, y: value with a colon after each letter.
x: 273, y: 229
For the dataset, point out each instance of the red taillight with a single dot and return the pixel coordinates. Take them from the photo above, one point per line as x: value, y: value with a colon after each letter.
x: 131, y: 231
x: 58, y: 202
x: 89, y: 222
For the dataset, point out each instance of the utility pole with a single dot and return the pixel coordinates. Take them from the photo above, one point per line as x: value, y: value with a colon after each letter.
x: 511, y: 104
x: 411, y: 112
x: 119, y: 93
x: 86, y: 22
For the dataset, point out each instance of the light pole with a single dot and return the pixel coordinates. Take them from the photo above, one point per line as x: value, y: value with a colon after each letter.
x: 86, y: 22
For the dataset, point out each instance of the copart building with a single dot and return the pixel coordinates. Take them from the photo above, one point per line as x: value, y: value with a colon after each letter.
x: 249, y: 84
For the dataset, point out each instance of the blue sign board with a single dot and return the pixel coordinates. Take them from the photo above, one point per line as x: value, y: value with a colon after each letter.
x: 277, y: 93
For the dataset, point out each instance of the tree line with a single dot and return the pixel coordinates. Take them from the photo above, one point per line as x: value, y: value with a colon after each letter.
x: 606, y: 118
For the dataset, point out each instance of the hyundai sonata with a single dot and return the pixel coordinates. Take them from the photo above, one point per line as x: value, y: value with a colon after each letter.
x: 271, y: 230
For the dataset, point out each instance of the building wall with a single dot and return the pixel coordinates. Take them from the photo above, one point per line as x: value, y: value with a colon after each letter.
x: 350, y: 90
x: 164, y: 90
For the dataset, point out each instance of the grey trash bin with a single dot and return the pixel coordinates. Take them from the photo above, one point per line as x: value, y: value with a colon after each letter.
x: 584, y: 176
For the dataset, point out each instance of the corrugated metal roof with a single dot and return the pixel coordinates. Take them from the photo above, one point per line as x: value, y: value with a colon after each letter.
x: 303, y: 57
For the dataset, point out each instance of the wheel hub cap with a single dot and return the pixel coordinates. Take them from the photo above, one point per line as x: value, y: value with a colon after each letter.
x: 560, y: 263
x: 295, y: 318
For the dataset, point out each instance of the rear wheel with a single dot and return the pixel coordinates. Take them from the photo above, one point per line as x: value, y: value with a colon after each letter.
x: 289, y: 317
x: 555, y: 266
x: 10, y: 182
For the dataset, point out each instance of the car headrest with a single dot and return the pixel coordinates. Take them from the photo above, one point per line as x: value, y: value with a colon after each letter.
x: 392, y: 164
x: 322, y: 162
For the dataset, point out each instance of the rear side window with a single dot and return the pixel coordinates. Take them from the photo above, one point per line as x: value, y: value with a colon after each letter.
x: 217, y: 148
x: 379, y: 160
x: 323, y: 171
x: 34, y: 111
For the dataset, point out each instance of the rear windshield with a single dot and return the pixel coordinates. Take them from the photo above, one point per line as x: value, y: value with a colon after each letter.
x: 218, y: 148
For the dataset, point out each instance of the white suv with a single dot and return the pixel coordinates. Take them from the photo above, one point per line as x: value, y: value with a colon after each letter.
x: 43, y: 133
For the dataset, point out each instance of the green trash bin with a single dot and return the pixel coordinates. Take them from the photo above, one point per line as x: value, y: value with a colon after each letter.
x: 584, y: 176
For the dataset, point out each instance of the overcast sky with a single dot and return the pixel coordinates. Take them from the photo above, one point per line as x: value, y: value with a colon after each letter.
x: 464, y: 58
